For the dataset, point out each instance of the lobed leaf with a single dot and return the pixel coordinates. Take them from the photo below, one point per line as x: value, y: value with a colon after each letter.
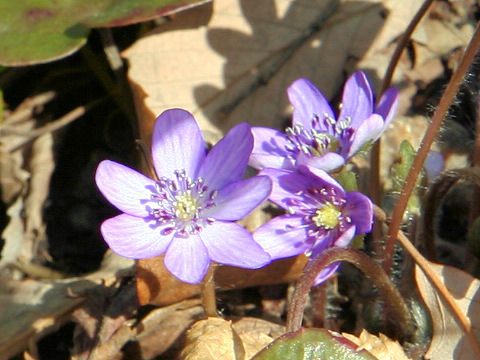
x: 313, y: 344
x: 40, y: 31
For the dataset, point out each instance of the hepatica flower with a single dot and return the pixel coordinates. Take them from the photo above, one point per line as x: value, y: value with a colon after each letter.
x: 189, y: 212
x: 320, y: 214
x: 317, y: 137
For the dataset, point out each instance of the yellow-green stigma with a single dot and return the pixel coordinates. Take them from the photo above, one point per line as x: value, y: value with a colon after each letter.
x: 186, y: 206
x: 327, y: 217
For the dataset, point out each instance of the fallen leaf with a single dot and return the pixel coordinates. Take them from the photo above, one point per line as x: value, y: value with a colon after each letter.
x: 213, y: 339
x: 449, y: 340
x: 232, y: 61
x: 156, y: 286
x: 380, y: 346
x: 162, y: 327
x: 256, y: 334
x: 30, y: 309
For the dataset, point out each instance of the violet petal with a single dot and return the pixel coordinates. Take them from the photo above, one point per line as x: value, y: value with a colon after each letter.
x: 369, y: 130
x: 125, y: 188
x: 328, y: 162
x: 239, y: 198
x: 308, y: 102
x: 323, y: 178
x: 346, y: 237
x: 269, y: 149
x: 227, y: 160
x: 357, y: 99
x: 287, y: 187
x: 326, y: 273
x: 283, y: 236
x: 187, y: 259
x: 387, y: 106
x: 134, y: 237
x: 230, y: 244
x: 177, y: 144
x: 360, y: 209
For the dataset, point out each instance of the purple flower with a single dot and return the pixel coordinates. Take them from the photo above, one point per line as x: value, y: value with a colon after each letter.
x: 189, y: 212
x: 317, y: 137
x: 320, y: 214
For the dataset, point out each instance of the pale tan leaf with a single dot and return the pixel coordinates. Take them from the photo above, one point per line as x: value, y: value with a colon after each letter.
x: 380, y: 346
x: 213, y: 339
x: 256, y: 334
x: 449, y: 340
x: 232, y: 61
x: 30, y: 309
x: 41, y: 166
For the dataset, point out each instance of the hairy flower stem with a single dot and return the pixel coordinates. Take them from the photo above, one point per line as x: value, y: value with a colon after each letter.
x: 397, y: 309
x: 475, y: 205
x: 430, y: 135
x: 375, y: 188
x: 443, y: 292
x: 209, y: 301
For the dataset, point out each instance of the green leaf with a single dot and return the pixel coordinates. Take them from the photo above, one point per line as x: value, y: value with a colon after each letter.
x: 348, y: 180
x: 39, y: 31
x: 400, y: 172
x: 313, y: 344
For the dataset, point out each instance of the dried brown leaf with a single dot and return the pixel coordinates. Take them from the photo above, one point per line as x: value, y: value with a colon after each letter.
x: 449, y: 340
x: 160, y: 329
x: 31, y: 309
x: 234, y: 60
x: 156, y: 286
x: 380, y: 346
x: 41, y: 166
x: 213, y: 339
x: 256, y: 334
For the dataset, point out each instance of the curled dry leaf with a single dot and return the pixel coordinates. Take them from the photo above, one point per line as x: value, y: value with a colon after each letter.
x: 449, y: 340
x: 162, y: 327
x: 380, y: 346
x: 216, y: 338
x: 41, y: 165
x: 213, y: 339
x: 31, y: 309
x: 256, y: 334
x: 156, y: 286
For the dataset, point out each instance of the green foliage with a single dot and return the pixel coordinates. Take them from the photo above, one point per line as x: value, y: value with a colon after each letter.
x: 312, y: 344
x: 399, y: 173
x: 348, y: 179
x: 38, y: 31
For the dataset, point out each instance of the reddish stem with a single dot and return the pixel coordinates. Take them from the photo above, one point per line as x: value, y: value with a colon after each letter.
x: 427, y: 141
x: 397, y: 308
x: 375, y: 186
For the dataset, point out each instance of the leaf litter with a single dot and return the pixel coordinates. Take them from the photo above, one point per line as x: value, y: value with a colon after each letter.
x: 227, y: 62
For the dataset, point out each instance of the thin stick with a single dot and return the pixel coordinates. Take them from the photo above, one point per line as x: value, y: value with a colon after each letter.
x: 402, y: 44
x: 437, y: 283
x: 398, y: 310
x: 375, y: 188
x: 208, y: 293
x: 427, y: 141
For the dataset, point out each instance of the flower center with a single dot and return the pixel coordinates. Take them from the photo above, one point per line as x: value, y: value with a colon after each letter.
x: 335, y: 135
x: 186, y: 206
x: 311, y: 142
x: 178, y: 204
x: 327, y: 217
x: 322, y: 209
